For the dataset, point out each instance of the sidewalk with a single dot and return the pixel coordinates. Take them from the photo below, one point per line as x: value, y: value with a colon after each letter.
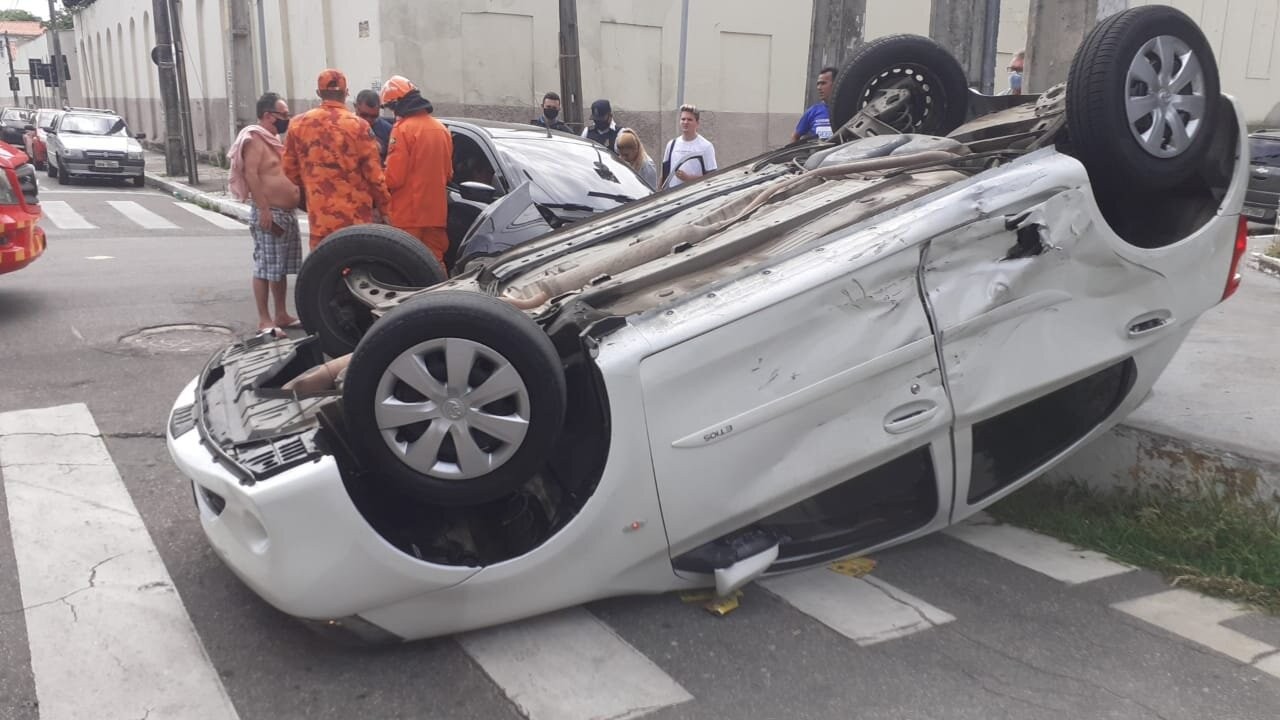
x: 211, y: 192
x: 1213, y: 417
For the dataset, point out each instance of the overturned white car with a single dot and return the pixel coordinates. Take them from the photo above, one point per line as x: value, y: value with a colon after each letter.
x: 829, y: 349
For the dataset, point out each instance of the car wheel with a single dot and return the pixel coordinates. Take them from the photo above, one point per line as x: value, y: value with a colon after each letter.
x: 64, y: 177
x: 325, y: 304
x: 1143, y: 99
x: 140, y: 181
x: 937, y: 92
x: 49, y: 167
x: 455, y: 398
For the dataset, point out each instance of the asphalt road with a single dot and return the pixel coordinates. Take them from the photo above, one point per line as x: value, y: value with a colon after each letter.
x: 1001, y: 639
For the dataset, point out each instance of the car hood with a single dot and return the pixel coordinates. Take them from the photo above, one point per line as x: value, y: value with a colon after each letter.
x: 73, y: 141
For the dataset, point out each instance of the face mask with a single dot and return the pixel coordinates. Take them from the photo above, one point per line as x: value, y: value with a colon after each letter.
x: 551, y: 113
x: 281, y: 125
x: 602, y: 124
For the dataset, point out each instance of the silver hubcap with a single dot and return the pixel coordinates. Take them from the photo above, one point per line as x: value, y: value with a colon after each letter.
x: 1165, y: 96
x: 452, y: 408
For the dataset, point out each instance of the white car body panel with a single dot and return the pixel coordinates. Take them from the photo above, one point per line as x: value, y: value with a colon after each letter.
x: 733, y: 404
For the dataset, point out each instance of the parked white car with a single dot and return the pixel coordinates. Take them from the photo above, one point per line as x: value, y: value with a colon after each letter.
x: 93, y: 143
x: 833, y: 348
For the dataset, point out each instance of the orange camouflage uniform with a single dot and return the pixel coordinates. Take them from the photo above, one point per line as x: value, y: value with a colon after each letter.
x: 332, y: 154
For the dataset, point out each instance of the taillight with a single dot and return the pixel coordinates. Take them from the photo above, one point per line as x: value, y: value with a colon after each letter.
x: 1242, y: 244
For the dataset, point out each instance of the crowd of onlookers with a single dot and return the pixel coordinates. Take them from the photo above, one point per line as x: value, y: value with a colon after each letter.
x: 349, y: 166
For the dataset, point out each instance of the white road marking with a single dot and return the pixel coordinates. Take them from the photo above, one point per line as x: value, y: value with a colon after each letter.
x: 61, y: 215
x: 214, y: 218
x: 1269, y: 665
x: 1197, y: 618
x: 100, y: 257
x: 1037, y: 552
x: 141, y: 215
x: 109, y: 634
x: 571, y: 666
x: 866, y: 610
x: 90, y: 191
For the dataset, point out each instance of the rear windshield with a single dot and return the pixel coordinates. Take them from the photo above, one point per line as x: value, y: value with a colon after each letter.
x: 15, y: 114
x: 1264, y: 151
x: 568, y: 171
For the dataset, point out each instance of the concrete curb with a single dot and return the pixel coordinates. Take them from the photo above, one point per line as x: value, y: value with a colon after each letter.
x: 1132, y: 457
x: 1265, y: 264
x: 230, y: 208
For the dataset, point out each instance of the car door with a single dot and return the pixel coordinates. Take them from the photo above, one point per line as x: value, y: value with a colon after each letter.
x: 1051, y: 325
x: 806, y: 398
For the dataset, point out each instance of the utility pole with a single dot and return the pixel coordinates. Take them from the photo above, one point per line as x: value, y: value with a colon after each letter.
x: 184, y: 93
x: 968, y: 28
x: 8, y: 51
x: 240, y: 81
x: 570, y: 64
x: 57, y: 59
x: 162, y: 55
x: 837, y: 29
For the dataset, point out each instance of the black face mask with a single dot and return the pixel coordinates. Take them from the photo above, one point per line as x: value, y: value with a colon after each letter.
x: 551, y: 113
x: 602, y: 124
x: 282, y: 125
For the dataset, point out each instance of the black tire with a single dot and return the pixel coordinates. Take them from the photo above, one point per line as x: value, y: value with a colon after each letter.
x: 139, y: 181
x: 324, y: 303
x: 939, y: 91
x: 1098, y: 90
x: 49, y: 166
x: 64, y: 177
x: 449, y: 316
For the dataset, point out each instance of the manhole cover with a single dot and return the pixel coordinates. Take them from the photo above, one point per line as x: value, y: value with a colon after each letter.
x: 185, y: 338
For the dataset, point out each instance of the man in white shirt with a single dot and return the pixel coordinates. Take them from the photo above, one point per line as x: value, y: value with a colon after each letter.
x: 689, y: 156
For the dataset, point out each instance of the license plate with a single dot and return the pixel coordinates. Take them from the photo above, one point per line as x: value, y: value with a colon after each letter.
x: 106, y: 163
x: 1254, y: 212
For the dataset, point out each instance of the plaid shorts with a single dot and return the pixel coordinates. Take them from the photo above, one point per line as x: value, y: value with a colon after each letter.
x: 275, y: 256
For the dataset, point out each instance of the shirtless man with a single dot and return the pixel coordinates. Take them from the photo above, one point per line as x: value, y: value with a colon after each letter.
x: 257, y: 176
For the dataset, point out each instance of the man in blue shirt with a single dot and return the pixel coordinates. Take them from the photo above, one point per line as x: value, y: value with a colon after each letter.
x: 816, y: 121
x: 367, y: 103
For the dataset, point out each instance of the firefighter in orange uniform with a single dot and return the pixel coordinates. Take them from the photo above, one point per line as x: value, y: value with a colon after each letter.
x: 332, y: 154
x: 419, y: 167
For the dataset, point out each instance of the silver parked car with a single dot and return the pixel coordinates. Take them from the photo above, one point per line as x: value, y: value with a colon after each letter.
x: 84, y: 142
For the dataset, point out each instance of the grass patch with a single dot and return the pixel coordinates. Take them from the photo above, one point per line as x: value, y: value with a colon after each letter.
x: 1273, y: 249
x: 1219, y: 543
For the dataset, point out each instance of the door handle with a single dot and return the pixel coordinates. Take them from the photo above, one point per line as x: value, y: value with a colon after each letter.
x: 910, y: 416
x: 1149, y: 323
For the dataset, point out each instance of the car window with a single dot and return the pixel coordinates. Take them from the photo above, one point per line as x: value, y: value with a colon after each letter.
x: 44, y: 118
x: 1264, y: 151
x: 91, y: 125
x: 11, y: 114
x: 572, y: 172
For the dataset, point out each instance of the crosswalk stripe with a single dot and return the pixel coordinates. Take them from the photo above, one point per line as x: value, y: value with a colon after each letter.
x: 108, y: 633
x: 866, y: 610
x: 569, y: 665
x: 59, y: 213
x: 1198, y: 618
x: 1037, y: 552
x: 141, y: 215
x: 214, y: 218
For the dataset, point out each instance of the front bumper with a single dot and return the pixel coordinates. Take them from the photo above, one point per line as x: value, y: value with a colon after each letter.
x: 88, y: 168
x: 1260, y: 205
x: 23, y: 252
x: 296, y: 538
